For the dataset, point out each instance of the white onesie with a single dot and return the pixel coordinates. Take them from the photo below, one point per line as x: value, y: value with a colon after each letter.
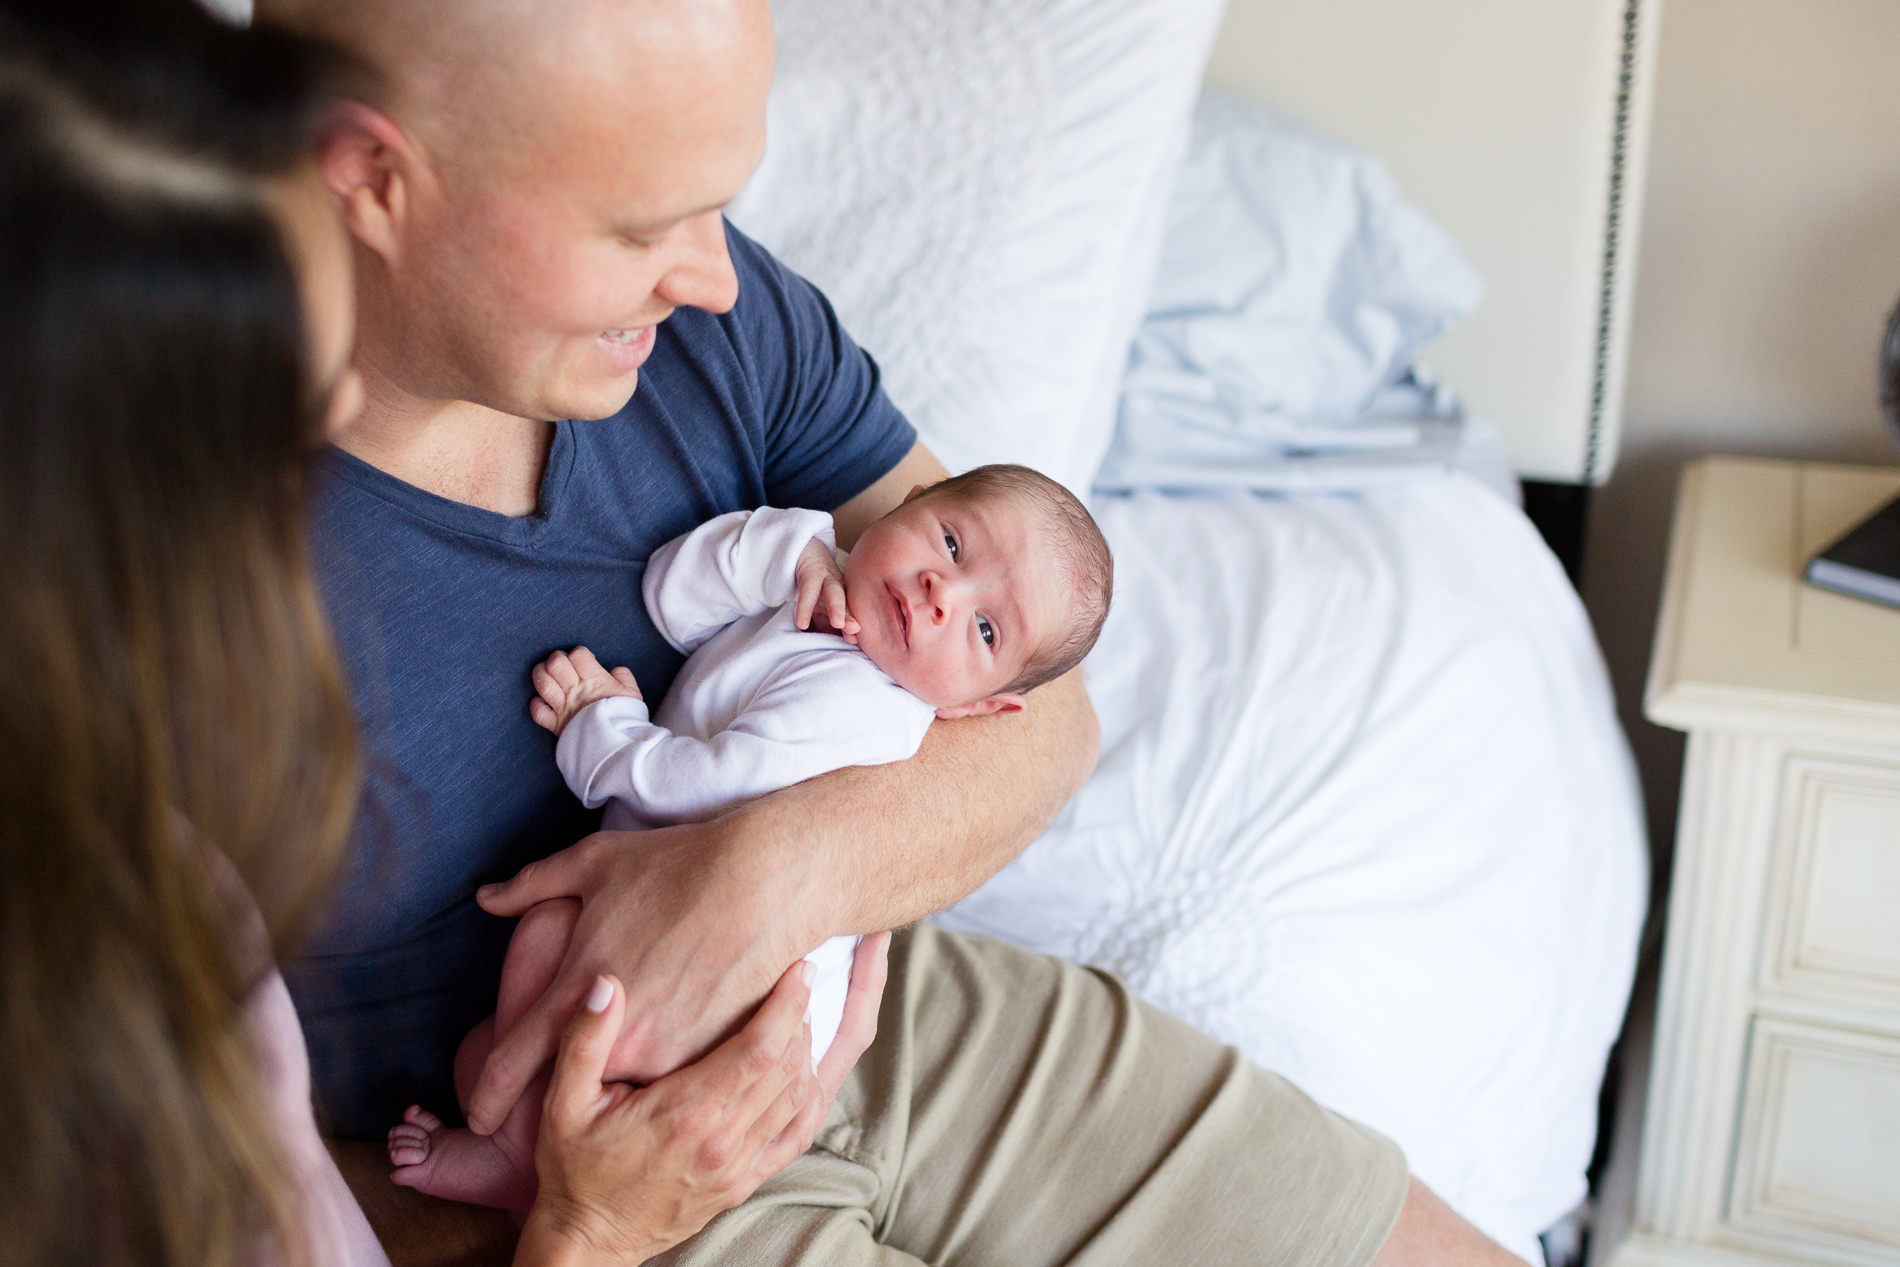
x: 760, y: 705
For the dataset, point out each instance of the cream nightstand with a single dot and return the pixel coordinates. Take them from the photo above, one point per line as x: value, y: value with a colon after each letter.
x: 1771, y: 1131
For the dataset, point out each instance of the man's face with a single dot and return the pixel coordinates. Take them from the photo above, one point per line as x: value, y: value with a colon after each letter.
x: 952, y: 595
x: 534, y: 273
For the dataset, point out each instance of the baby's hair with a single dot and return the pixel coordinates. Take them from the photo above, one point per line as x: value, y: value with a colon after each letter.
x: 1079, y: 549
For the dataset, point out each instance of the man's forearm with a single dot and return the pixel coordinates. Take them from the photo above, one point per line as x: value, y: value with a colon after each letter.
x: 875, y: 847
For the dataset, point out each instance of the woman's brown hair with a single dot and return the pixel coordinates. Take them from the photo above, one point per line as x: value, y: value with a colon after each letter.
x: 171, y: 700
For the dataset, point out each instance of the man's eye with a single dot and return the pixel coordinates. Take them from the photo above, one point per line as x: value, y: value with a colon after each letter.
x: 950, y: 544
x: 989, y: 634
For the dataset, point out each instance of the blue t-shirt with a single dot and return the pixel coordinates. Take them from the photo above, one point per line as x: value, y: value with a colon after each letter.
x: 441, y: 609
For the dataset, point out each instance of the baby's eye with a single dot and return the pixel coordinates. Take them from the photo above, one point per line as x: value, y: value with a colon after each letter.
x: 950, y: 544
x: 989, y: 634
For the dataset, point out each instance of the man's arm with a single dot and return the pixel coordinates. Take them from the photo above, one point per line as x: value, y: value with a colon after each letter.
x: 919, y: 466
x: 701, y: 920
x: 886, y: 845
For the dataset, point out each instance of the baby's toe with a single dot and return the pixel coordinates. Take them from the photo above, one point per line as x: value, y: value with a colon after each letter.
x: 416, y: 1115
x: 408, y: 1146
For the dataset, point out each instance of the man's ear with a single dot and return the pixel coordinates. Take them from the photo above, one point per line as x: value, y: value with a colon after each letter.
x: 1010, y: 703
x: 373, y: 168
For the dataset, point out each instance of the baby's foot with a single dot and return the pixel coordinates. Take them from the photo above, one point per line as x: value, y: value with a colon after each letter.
x: 460, y: 1165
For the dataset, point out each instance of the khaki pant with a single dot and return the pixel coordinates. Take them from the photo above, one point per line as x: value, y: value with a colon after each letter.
x: 1018, y: 1110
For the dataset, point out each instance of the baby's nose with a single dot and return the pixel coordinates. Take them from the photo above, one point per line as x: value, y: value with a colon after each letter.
x: 938, y: 593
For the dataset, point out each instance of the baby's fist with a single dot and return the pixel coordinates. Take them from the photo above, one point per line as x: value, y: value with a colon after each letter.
x: 566, y: 682
x: 821, y: 591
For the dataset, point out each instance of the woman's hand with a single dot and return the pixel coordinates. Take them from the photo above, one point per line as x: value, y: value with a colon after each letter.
x: 627, y: 1173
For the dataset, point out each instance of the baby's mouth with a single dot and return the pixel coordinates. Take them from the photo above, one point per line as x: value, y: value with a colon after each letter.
x: 903, y: 614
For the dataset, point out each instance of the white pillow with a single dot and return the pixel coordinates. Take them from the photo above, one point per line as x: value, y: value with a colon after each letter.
x: 979, y: 188
x: 1295, y: 274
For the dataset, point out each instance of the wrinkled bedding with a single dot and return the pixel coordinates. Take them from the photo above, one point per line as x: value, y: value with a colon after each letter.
x: 1364, y: 811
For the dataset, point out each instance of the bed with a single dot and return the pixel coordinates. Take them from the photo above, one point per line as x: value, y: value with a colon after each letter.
x: 1363, y: 808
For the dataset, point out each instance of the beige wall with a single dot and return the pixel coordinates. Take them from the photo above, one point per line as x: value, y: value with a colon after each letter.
x: 1770, y: 253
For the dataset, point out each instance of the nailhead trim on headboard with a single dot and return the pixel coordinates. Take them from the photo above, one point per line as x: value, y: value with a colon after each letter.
x: 1612, y: 226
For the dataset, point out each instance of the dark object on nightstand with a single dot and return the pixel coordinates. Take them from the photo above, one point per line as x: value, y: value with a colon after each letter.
x: 1866, y: 562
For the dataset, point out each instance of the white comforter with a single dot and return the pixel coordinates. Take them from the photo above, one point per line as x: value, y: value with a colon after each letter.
x: 1364, y: 811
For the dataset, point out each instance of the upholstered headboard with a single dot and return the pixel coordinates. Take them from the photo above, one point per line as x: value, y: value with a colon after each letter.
x: 1520, y: 127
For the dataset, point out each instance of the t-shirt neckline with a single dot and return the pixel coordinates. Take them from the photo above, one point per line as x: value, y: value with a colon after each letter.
x: 474, y: 521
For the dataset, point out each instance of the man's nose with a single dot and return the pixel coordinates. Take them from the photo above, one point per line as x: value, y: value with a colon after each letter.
x: 700, y: 274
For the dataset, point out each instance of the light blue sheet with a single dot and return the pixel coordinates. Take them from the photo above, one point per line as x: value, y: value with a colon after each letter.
x: 1295, y: 288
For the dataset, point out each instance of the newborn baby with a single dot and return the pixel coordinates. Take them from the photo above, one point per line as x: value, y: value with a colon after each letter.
x: 966, y: 597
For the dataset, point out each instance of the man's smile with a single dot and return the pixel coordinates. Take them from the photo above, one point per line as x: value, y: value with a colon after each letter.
x: 628, y: 347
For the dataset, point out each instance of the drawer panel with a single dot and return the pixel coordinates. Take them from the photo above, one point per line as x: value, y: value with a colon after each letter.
x: 1839, y: 863
x: 1817, y: 1162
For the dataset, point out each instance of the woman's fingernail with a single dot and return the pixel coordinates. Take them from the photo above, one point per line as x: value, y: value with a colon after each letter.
x: 807, y: 973
x: 487, y: 890
x: 601, y: 995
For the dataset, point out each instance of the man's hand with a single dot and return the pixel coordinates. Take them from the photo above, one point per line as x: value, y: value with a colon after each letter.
x: 568, y: 681
x: 685, y: 917
x: 821, y: 591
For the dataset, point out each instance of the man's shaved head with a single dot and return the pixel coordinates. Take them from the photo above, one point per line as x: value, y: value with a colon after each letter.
x: 471, y: 70
x: 537, y: 176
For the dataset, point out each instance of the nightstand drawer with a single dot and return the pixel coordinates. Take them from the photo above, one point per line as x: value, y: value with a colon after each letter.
x: 1817, y: 1163
x: 1771, y: 1133
x: 1838, y: 862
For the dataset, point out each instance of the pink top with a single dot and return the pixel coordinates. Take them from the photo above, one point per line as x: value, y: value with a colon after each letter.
x: 339, y: 1234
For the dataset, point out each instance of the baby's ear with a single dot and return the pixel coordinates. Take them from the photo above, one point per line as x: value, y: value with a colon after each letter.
x: 914, y: 490
x: 1010, y: 703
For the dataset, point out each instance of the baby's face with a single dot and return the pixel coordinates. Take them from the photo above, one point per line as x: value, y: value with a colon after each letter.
x: 953, y: 595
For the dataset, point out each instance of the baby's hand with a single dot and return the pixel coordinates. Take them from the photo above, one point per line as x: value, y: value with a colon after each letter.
x: 566, y: 682
x: 821, y: 591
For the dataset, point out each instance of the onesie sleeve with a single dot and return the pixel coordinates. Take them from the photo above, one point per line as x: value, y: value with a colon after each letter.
x: 823, y: 711
x: 732, y: 566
